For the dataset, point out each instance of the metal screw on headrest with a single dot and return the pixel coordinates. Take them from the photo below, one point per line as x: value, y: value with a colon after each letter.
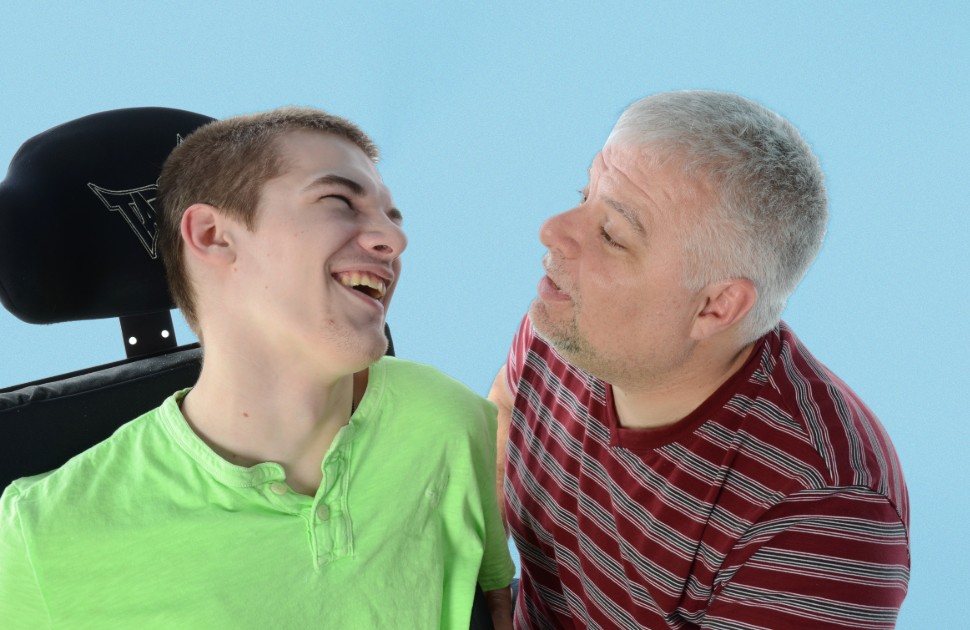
x: 147, y: 334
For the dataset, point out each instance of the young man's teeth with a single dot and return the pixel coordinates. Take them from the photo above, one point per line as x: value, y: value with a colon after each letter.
x: 351, y: 280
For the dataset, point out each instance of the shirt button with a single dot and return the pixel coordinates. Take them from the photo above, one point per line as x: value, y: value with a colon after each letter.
x: 279, y: 488
x: 323, y: 512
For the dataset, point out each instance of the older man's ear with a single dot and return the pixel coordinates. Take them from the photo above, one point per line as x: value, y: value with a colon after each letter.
x: 723, y: 305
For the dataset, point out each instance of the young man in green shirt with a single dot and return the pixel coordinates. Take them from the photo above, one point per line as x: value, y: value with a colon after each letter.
x: 305, y: 481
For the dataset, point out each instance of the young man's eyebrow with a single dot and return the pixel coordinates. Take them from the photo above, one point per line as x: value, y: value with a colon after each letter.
x: 354, y: 187
x: 629, y: 215
x: 330, y: 180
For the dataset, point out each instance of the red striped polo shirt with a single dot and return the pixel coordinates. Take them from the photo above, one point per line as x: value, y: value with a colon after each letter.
x: 778, y: 503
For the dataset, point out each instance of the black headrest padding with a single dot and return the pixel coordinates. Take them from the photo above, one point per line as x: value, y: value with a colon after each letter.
x: 46, y: 423
x: 77, y: 221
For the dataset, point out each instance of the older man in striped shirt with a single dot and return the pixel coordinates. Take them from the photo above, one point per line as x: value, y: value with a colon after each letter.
x: 676, y: 458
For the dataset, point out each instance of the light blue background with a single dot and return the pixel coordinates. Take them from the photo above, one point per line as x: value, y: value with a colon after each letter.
x: 488, y: 115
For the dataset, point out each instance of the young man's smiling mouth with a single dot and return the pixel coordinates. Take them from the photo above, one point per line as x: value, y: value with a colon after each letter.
x: 370, y: 284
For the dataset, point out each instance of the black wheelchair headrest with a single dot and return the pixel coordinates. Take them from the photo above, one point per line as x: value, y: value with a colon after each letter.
x: 77, y: 217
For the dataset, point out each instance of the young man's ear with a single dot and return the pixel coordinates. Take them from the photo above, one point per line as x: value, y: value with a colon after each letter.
x: 726, y: 304
x: 207, y: 234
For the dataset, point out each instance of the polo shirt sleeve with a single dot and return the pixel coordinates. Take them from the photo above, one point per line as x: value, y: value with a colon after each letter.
x: 830, y: 558
x: 517, y: 353
x: 497, y: 568
x: 21, y: 600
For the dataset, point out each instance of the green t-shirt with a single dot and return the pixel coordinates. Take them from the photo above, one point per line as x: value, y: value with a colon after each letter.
x: 152, y: 529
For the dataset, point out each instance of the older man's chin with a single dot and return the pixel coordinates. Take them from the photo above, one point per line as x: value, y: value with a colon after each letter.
x: 562, y: 336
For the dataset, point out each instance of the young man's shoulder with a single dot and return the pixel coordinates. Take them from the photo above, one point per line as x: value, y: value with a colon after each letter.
x: 95, y: 471
x: 415, y: 389
x: 424, y: 380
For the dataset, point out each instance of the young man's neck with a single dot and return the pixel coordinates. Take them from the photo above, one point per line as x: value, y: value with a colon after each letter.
x: 249, y: 414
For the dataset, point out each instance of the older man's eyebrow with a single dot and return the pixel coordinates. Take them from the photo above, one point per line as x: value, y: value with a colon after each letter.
x: 332, y: 180
x: 629, y: 215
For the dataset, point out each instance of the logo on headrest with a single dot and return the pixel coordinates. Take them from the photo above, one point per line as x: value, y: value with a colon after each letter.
x: 136, y: 207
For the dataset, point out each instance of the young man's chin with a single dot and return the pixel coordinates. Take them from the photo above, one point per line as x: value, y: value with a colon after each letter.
x: 367, y: 350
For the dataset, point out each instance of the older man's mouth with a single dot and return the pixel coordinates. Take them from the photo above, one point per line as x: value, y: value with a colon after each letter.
x: 550, y: 291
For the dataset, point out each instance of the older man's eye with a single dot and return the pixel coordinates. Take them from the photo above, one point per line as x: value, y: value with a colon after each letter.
x: 609, y: 239
x: 583, y: 195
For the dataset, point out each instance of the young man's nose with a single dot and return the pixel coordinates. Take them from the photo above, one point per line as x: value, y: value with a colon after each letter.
x: 385, y: 238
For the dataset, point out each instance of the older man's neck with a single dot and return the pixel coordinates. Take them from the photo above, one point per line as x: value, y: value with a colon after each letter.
x: 661, y: 404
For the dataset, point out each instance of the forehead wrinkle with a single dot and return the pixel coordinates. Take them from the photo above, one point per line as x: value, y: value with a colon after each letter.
x: 613, y: 180
x: 658, y: 179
